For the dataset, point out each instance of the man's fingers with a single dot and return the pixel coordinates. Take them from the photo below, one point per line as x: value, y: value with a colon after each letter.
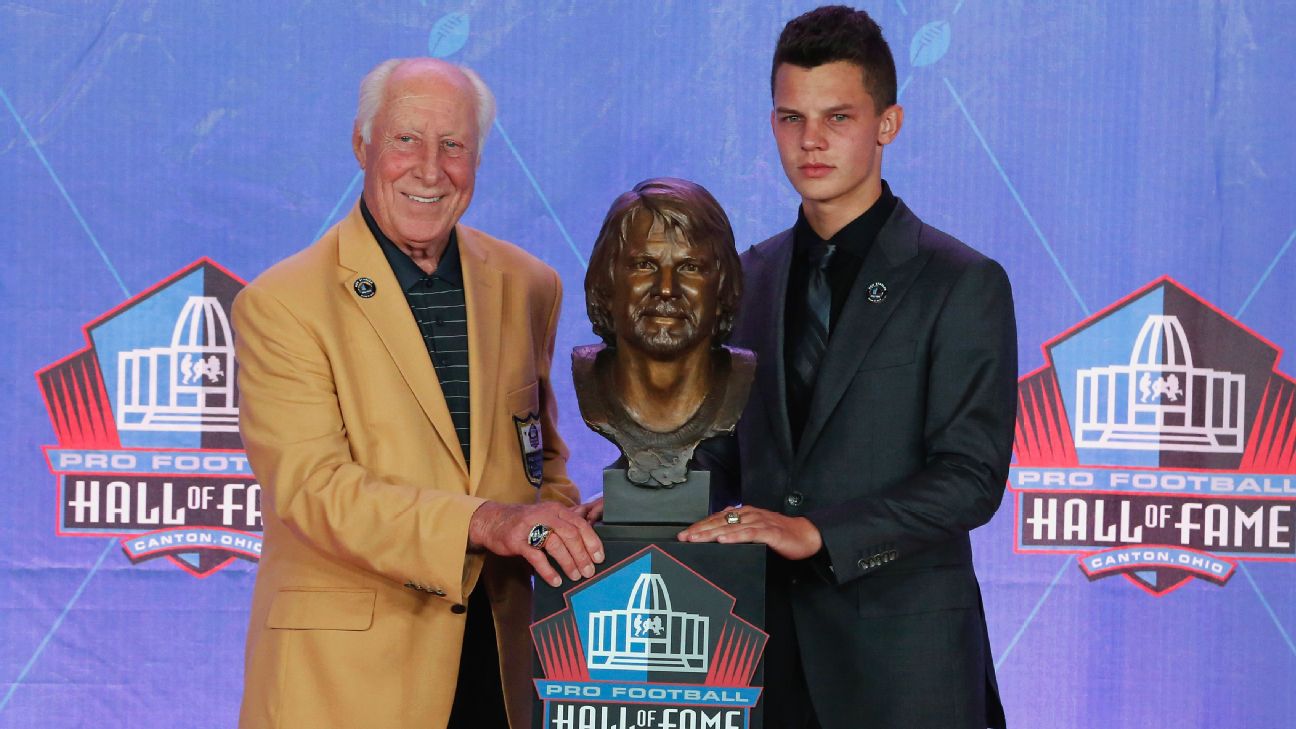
x: 572, y: 543
x: 710, y: 528
x: 591, y: 511
x: 699, y: 536
x: 593, y: 546
x: 745, y: 535
x: 791, y: 537
x: 568, y: 534
x: 700, y: 532
x: 709, y: 524
x: 556, y: 547
x: 540, y: 563
x: 703, y: 532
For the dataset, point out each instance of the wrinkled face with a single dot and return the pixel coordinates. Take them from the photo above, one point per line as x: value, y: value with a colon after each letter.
x: 421, y: 160
x: 829, y: 133
x: 664, y: 292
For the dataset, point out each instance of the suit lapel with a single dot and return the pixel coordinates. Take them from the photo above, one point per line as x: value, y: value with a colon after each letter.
x: 894, y: 261
x: 484, y: 296
x: 389, y: 314
x: 767, y: 291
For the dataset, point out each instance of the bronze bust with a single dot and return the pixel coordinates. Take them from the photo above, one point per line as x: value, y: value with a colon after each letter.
x: 662, y: 290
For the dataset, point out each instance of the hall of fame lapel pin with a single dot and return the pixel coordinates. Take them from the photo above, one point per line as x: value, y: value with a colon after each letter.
x: 876, y: 292
x: 365, y: 288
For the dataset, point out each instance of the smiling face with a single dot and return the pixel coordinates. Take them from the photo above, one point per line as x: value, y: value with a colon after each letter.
x: 664, y: 292
x: 420, y: 162
x: 830, y: 137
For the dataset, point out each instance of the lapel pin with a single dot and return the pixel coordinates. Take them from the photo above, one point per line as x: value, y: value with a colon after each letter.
x: 365, y: 288
x: 876, y: 292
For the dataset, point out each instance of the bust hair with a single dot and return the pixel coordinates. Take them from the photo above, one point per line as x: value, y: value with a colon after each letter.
x: 838, y: 33
x: 687, y: 211
x: 373, y: 89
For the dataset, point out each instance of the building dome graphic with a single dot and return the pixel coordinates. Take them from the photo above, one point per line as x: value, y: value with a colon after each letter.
x: 1160, y: 401
x: 187, y: 386
x: 648, y: 633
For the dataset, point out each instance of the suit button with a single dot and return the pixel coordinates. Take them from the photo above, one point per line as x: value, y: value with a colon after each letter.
x: 458, y: 609
x: 437, y: 591
x: 793, y: 499
x: 862, y: 564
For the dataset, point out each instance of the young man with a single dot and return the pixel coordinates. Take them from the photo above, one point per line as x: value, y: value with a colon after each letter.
x: 880, y: 430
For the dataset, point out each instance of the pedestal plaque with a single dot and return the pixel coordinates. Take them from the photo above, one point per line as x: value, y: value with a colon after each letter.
x: 666, y: 635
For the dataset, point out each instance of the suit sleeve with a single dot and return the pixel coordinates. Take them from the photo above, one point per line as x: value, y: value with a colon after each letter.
x: 721, y: 457
x: 296, y: 441
x: 556, y: 486
x: 970, y: 409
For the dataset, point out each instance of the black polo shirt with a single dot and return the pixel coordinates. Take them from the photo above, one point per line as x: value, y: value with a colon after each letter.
x: 437, y: 302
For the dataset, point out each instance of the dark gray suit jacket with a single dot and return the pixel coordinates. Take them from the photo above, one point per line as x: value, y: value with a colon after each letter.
x: 905, y: 450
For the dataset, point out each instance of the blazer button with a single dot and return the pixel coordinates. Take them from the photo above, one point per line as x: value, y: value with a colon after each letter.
x: 437, y: 591
x: 793, y: 499
x: 862, y: 564
x: 458, y: 609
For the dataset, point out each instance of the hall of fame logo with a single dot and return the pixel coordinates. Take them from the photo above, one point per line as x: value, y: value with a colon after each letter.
x: 647, y: 644
x: 146, y: 418
x: 1157, y: 443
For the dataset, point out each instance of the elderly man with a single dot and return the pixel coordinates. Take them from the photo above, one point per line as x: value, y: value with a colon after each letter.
x: 397, y: 409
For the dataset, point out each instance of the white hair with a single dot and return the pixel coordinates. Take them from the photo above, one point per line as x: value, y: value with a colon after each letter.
x: 373, y: 89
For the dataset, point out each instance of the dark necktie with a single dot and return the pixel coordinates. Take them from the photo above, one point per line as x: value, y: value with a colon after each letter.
x: 815, y: 326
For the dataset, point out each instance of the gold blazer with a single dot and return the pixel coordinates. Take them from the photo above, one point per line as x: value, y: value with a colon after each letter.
x: 366, y: 496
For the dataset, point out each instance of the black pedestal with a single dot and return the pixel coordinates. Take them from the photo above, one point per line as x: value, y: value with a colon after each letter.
x: 664, y: 635
x: 627, y: 503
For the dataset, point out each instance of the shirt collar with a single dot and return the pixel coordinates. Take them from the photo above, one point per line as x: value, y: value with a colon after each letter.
x: 858, y: 235
x: 408, y: 274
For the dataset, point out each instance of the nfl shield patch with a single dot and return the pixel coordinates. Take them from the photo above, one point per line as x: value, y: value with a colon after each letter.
x: 532, y: 447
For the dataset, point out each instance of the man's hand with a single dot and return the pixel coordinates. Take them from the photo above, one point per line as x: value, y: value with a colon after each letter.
x: 503, y: 529
x: 591, y: 511
x: 792, y: 537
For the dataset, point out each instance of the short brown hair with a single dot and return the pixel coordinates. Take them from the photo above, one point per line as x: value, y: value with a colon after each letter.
x: 838, y: 33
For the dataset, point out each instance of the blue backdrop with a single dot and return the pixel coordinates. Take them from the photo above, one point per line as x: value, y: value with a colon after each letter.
x: 1093, y: 148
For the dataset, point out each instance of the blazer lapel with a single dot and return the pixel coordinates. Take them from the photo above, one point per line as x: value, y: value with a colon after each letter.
x: 766, y: 288
x: 484, y: 295
x: 893, y: 260
x: 389, y: 314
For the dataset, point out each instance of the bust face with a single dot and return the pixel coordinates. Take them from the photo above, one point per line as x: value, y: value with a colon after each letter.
x: 664, y: 293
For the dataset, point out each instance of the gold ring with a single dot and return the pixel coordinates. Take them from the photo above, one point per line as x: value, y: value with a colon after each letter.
x: 538, y: 536
x: 733, y: 517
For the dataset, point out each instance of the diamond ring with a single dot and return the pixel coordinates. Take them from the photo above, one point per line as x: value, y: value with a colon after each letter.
x: 538, y: 536
x: 733, y: 517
